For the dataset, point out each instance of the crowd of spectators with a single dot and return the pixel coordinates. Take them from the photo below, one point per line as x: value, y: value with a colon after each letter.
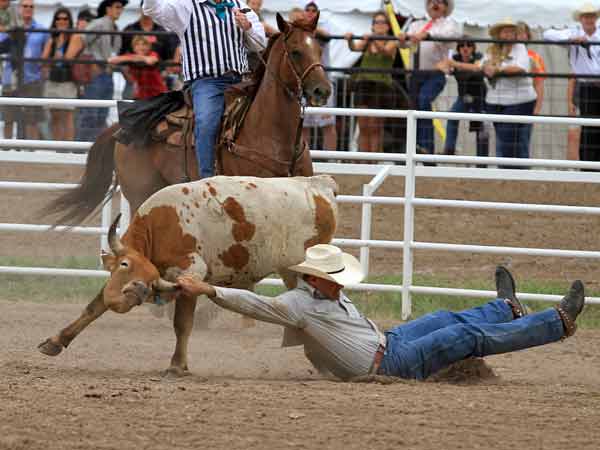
x: 494, y: 80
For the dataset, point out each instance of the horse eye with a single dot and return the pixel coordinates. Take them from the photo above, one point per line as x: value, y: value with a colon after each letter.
x: 296, y: 54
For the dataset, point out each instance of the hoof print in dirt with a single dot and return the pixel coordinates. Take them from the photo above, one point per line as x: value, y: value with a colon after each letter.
x: 50, y: 348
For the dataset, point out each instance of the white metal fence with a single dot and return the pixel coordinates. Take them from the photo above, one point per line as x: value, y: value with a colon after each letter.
x: 411, y: 171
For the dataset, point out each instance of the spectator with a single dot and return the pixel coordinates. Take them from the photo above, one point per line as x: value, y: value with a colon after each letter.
x: 465, y: 64
x: 144, y: 73
x: 584, y: 60
x: 509, y: 95
x: 426, y: 82
x: 163, y: 45
x: 374, y: 89
x: 205, y: 30
x: 91, y: 121
x: 84, y: 17
x: 296, y: 14
x: 324, y: 121
x: 60, y: 81
x: 8, y: 16
x: 32, y: 77
x: 256, y: 6
x: 574, y: 131
x: 537, y: 66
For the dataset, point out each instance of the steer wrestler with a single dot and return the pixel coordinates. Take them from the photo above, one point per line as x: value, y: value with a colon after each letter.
x: 338, y: 338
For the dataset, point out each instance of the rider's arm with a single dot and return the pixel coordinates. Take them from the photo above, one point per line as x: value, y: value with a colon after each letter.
x: 255, y: 37
x: 173, y: 15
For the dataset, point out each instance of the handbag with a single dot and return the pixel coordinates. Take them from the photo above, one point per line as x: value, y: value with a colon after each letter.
x: 82, y: 73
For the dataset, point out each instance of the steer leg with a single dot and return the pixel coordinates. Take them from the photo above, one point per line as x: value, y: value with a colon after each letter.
x: 54, y: 345
x: 183, y: 322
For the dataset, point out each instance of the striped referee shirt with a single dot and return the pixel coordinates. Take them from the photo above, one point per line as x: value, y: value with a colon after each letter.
x: 210, y: 47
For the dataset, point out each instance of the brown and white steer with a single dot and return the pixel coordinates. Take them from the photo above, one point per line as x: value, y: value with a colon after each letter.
x: 230, y: 231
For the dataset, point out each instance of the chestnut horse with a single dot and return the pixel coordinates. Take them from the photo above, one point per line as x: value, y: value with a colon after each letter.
x: 266, y: 145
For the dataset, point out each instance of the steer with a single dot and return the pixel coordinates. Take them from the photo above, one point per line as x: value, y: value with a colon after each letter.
x: 230, y: 231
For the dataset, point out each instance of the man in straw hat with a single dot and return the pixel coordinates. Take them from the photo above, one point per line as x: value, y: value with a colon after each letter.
x: 584, y: 60
x: 336, y: 337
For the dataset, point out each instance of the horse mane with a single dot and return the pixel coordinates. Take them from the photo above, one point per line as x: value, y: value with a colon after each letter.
x: 301, y: 23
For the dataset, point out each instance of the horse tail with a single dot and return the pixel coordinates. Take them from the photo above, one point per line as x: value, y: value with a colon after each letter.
x: 96, y: 185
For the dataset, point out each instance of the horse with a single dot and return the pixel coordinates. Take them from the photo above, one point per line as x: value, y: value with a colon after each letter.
x: 266, y: 144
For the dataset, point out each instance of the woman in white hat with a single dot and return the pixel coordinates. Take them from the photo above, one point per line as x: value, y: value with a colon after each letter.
x: 512, y: 95
x: 584, y: 60
x: 338, y: 339
x: 426, y: 81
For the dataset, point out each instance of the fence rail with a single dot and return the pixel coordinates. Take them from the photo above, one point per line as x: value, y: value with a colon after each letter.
x: 410, y: 171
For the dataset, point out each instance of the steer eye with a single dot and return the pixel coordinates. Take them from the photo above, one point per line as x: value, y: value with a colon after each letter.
x: 124, y: 264
x: 296, y: 54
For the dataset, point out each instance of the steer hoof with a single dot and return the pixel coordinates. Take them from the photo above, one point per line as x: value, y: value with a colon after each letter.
x: 50, y: 348
x: 174, y: 373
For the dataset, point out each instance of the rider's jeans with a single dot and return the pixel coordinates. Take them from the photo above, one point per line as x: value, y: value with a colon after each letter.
x: 91, y: 121
x: 209, y: 103
x: 425, y: 345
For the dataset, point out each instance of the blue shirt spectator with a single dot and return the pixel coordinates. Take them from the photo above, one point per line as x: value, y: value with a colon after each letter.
x: 34, y: 46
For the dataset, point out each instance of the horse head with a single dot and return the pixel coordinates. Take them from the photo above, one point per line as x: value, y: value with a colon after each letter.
x: 302, y: 60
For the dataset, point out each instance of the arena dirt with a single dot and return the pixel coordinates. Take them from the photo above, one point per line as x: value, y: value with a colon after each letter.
x: 105, y: 391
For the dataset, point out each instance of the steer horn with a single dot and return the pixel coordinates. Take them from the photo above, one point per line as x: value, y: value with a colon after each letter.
x: 113, y: 240
x: 162, y: 285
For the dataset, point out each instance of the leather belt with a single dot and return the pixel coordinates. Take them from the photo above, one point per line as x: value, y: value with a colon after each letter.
x: 379, y: 354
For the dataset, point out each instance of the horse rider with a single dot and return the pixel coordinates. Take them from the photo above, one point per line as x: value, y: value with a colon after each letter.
x: 215, y: 37
x: 339, y: 340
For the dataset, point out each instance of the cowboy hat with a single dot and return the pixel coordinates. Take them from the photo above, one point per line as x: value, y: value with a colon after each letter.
x: 449, y: 8
x: 495, y: 29
x: 106, y: 3
x: 586, y: 8
x: 330, y: 263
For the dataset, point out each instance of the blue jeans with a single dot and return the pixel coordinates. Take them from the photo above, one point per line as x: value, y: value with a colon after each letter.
x: 209, y: 104
x: 91, y: 121
x: 452, y: 128
x: 512, y: 139
x: 424, y: 88
x: 423, y: 346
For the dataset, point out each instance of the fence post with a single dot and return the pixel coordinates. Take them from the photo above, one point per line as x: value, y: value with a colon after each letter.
x: 409, y: 231
x: 18, y: 66
x: 365, y: 229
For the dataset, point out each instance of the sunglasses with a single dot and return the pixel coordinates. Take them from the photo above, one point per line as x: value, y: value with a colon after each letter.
x: 62, y: 18
x: 380, y: 22
x: 27, y: 6
x: 469, y: 45
x: 312, y: 10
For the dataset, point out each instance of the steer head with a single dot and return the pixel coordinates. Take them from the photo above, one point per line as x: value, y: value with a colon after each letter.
x: 133, y: 278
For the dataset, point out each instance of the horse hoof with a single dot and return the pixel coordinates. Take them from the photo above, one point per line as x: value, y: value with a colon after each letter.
x: 50, y: 348
x: 173, y: 373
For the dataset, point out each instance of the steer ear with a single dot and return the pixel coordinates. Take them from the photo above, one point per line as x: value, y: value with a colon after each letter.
x: 108, y: 261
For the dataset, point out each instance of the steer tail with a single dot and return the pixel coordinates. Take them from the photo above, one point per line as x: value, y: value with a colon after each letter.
x: 96, y: 186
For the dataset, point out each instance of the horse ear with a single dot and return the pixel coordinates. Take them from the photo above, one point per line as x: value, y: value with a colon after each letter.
x: 282, y: 24
x: 313, y: 25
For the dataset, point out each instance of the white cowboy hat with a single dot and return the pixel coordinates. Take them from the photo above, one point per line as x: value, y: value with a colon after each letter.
x: 449, y: 9
x: 330, y: 263
x: 507, y: 22
x: 586, y: 8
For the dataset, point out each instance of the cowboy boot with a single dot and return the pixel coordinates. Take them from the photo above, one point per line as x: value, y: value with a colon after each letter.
x: 570, y: 307
x: 506, y: 289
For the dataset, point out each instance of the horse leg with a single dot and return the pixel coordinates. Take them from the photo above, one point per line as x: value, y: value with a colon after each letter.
x: 54, y: 345
x: 183, y: 323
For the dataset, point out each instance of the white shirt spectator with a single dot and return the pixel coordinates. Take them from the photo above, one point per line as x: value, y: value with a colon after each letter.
x: 582, y: 60
x: 512, y: 90
x: 431, y: 53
